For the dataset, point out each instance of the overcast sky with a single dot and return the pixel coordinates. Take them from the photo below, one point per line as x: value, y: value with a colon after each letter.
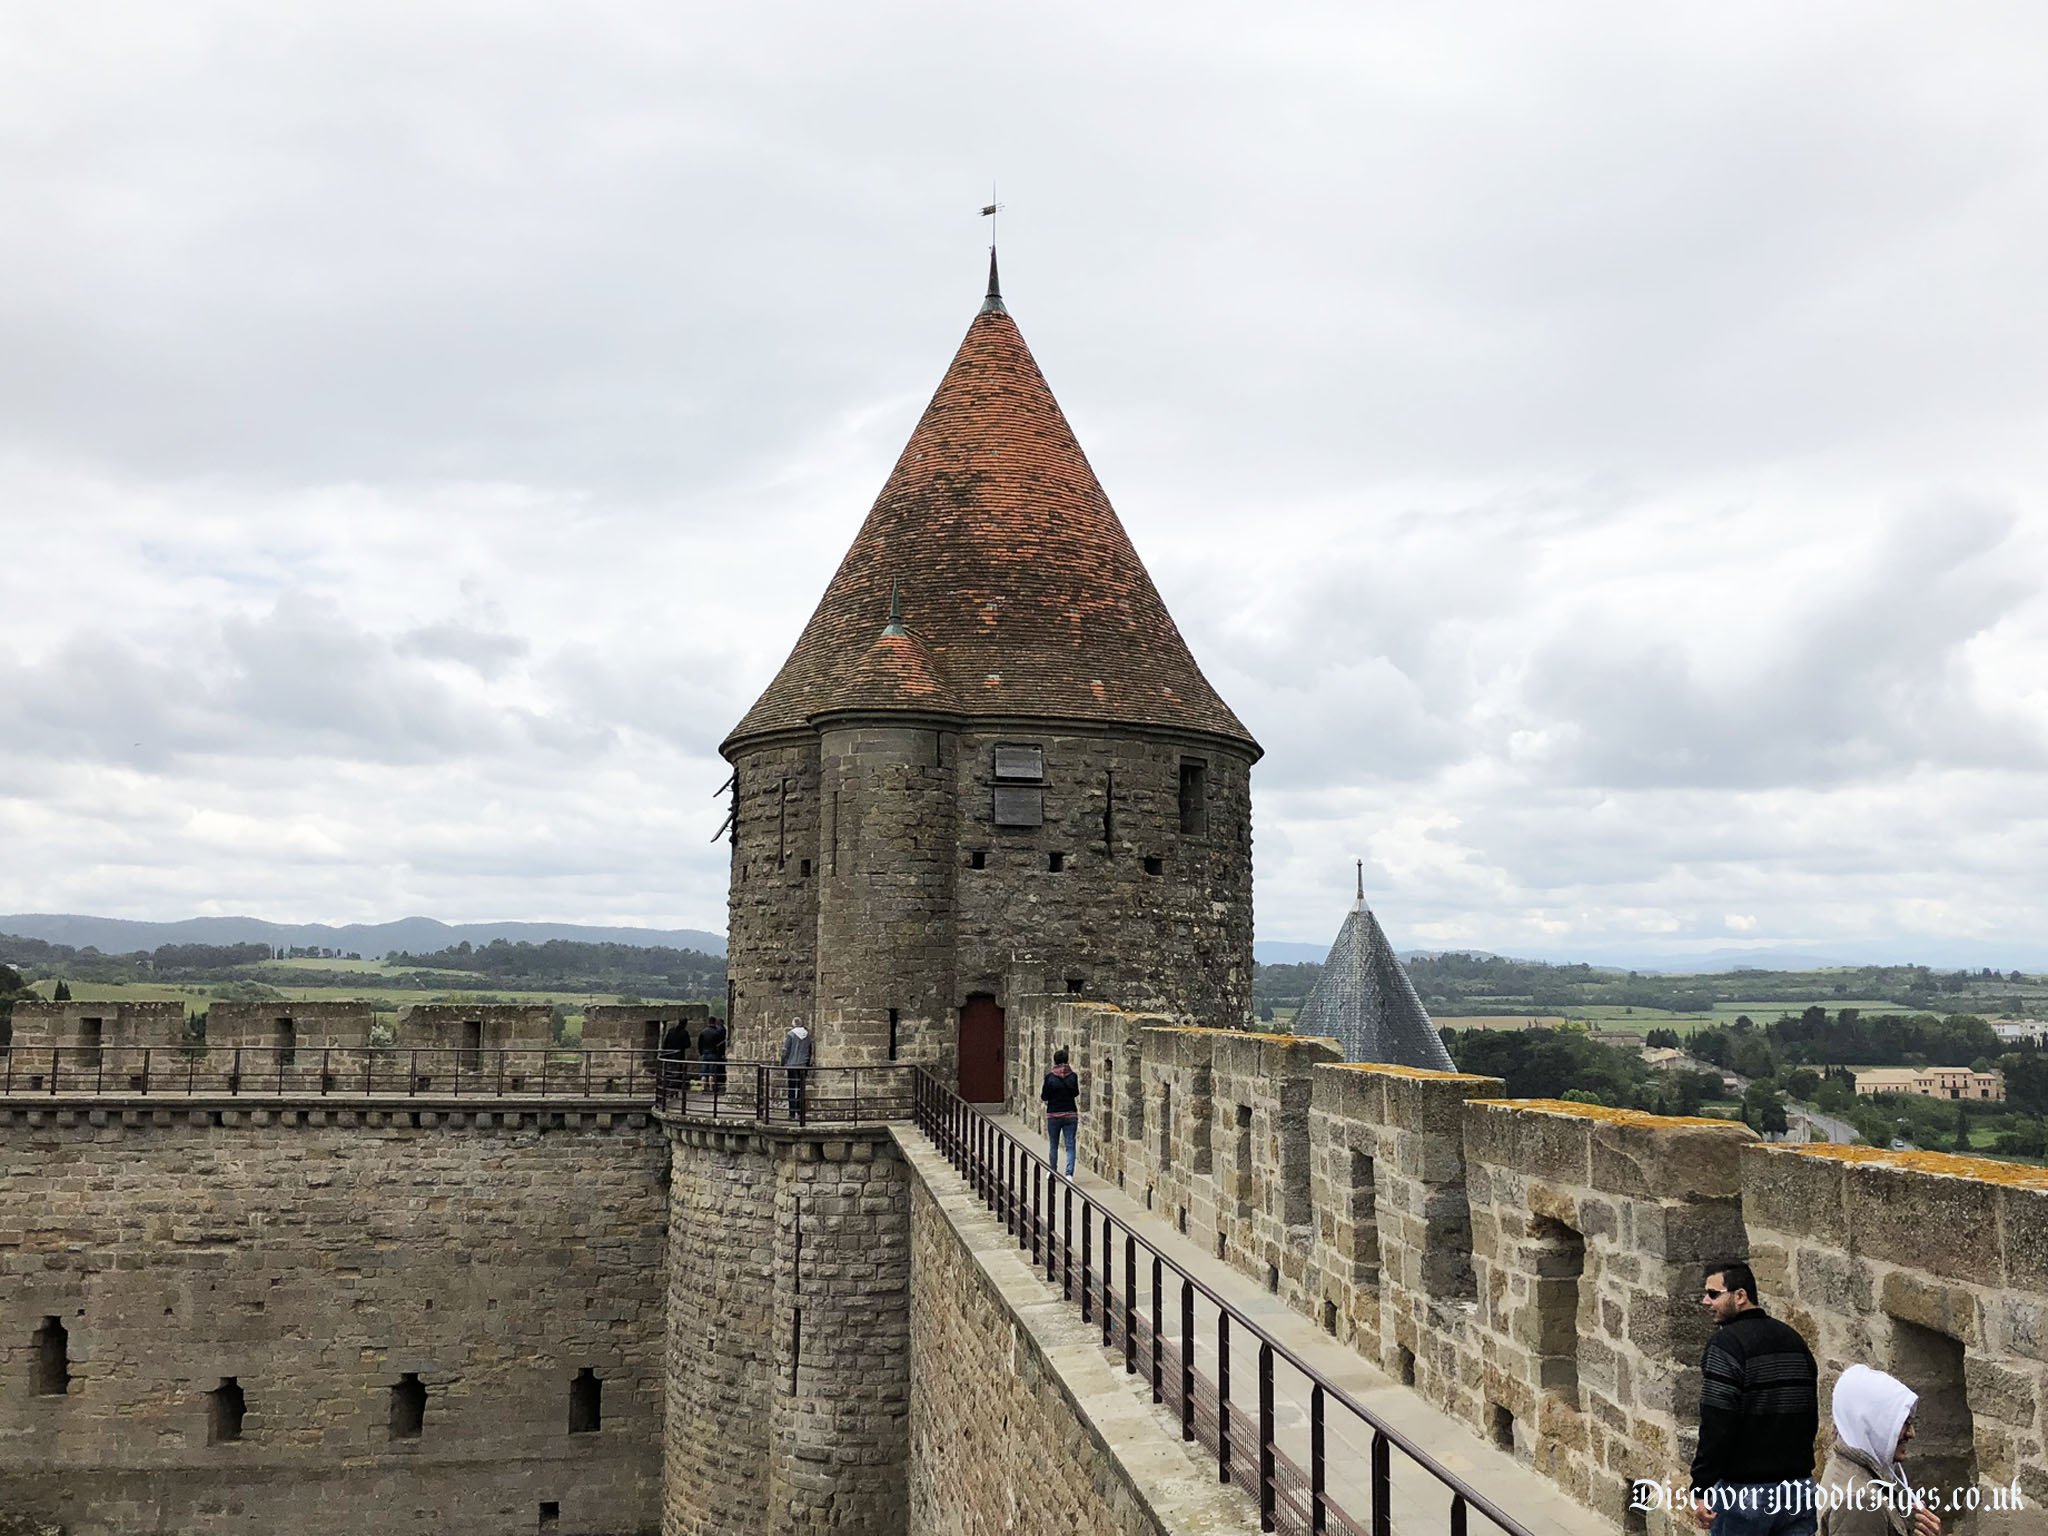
x: 1598, y: 450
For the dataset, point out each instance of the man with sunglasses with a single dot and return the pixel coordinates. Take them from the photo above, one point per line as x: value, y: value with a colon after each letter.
x: 1759, y: 1413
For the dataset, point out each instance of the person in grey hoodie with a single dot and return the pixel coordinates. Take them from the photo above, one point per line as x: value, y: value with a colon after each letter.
x: 796, y: 1066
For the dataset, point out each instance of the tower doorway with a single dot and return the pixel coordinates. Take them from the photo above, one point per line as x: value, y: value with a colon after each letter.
x: 981, y: 1050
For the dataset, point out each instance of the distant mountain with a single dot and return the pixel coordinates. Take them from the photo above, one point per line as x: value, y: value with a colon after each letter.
x: 1287, y: 952
x: 415, y: 935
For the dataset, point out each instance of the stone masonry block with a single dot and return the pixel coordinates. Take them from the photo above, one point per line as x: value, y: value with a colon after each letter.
x: 1791, y: 1191
x: 1947, y: 1309
x: 2024, y: 1209
x: 1662, y: 1158
x: 1533, y: 1136
x: 1938, y: 1222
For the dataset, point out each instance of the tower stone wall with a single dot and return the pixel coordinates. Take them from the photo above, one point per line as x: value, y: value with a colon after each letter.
x: 886, y: 902
x: 788, y: 1332
x: 771, y: 962
x: 857, y: 888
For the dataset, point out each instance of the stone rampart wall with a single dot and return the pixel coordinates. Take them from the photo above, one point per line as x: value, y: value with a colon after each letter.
x: 1533, y: 1267
x: 338, y: 1267
x: 83, y: 1026
x: 298, y: 1026
x: 638, y: 1027
x: 1934, y: 1268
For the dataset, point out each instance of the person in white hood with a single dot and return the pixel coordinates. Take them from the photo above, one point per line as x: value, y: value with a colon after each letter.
x: 1864, y: 1491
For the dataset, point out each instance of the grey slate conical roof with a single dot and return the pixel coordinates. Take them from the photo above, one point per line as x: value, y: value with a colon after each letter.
x: 1366, y: 1003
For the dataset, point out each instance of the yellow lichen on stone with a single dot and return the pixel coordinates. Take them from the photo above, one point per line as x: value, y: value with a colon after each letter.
x: 1392, y: 1069
x: 1949, y: 1165
x: 1640, y: 1117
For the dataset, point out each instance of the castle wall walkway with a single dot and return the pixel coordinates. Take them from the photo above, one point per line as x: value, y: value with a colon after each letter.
x: 1420, y: 1504
x: 1531, y: 1269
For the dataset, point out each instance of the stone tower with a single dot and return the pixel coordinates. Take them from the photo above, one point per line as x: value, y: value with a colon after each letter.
x: 990, y: 766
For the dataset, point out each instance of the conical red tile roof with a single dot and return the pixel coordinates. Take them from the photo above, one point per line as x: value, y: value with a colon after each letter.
x: 895, y: 672
x: 1024, y: 592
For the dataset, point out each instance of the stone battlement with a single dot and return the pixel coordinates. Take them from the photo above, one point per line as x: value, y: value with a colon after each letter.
x: 1533, y: 1266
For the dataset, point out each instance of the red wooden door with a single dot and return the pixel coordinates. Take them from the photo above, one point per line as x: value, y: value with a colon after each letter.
x: 981, y: 1051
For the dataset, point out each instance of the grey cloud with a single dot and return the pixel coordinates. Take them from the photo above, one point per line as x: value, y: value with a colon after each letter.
x: 298, y: 680
x: 426, y: 445
x: 482, y: 651
x: 1864, y: 675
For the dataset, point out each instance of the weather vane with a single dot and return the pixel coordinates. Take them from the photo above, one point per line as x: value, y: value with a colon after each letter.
x: 989, y: 211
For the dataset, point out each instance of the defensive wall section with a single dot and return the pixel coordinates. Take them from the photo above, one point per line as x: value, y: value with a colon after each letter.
x: 1533, y: 1267
x: 288, y: 1311
x: 324, y: 1318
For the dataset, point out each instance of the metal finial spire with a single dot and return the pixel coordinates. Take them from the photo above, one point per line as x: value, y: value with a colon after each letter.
x: 894, y: 628
x: 1361, y: 885
x: 993, y: 304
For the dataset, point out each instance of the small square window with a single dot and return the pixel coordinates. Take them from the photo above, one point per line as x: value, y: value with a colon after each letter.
x: 1073, y: 986
x: 1154, y: 865
x: 803, y: 869
x: 1025, y: 765
x: 1055, y: 862
x: 1018, y: 805
x: 978, y: 859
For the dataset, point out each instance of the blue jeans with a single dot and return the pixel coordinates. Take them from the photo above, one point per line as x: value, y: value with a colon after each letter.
x: 1764, y: 1509
x: 1057, y: 1131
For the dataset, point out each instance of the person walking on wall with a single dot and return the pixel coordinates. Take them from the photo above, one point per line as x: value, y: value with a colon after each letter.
x: 1759, y: 1412
x: 711, y: 1055
x: 669, y: 1068
x: 796, y: 1066
x: 1060, y: 1090
x: 1864, y: 1489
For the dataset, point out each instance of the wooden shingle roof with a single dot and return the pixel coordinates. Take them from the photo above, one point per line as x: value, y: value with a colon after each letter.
x: 1021, y: 593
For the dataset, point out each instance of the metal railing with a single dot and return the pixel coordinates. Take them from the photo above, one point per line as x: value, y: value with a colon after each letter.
x: 1149, y: 1308
x: 367, y: 1071
x: 775, y: 1095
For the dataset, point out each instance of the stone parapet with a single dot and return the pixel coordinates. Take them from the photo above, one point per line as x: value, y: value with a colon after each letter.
x: 1392, y: 1259
x: 1931, y: 1267
x: 1589, y: 1228
x: 71, y: 1027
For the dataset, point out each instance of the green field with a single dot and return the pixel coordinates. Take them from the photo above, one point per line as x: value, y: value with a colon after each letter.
x: 1637, y: 1021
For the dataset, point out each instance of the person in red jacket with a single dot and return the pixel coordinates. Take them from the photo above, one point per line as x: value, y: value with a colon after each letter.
x: 1061, y: 1089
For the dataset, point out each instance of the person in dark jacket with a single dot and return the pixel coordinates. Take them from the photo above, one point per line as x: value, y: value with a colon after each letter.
x: 711, y: 1055
x: 675, y: 1048
x: 1061, y: 1090
x: 1759, y: 1413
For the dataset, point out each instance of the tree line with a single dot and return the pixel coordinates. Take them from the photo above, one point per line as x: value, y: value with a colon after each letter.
x: 1467, y: 984
x: 577, y: 966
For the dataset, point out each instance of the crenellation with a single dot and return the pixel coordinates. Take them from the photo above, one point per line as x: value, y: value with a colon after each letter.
x: 1928, y: 1266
